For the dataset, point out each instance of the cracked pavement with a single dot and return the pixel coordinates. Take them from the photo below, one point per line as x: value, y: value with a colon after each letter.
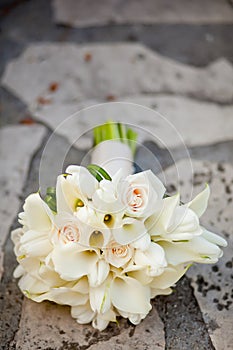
x: 179, y: 64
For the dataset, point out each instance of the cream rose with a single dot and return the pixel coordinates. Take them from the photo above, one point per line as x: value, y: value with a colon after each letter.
x: 118, y: 255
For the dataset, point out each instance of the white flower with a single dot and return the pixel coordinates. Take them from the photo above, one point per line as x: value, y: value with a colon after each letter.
x: 107, y: 197
x: 199, y: 249
x: 142, y: 193
x: 130, y: 296
x: 153, y: 258
x: 173, y: 222
x: 118, y: 255
x: 74, y: 189
x: 74, y: 295
x: 83, y: 313
x: 68, y: 229
x: 33, y: 240
x: 73, y: 261
x: 130, y: 231
x: 169, y: 277
x: 99, y: 273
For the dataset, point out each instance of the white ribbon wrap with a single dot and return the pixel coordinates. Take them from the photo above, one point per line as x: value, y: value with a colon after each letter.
x: 112, y: 155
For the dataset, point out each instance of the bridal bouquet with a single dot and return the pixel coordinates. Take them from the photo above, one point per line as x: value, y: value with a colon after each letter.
x: 106, y: 241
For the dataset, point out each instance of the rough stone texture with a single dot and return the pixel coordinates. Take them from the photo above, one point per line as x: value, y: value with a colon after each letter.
x: 187, y: 43
x: 170, y: 129
x: 16, y: 149
x: 76, y: 13
x: 69, y: 73
x: 212, y: 284
x: 50, y: 326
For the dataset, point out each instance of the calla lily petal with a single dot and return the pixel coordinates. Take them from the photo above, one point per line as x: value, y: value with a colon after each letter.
x: 83, y: 313
x: 200, y: 202
x: 213, y: 238
x: 153, y: 258
x: 98, y: 273
x: 169, y: 277
x: 198, y: 249
x: 128, y: 295
x: 38, y: 214
x: 129, y: 232
x: 74, y: 263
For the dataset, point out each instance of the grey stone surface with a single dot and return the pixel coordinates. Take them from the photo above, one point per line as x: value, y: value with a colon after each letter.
x: 49, y: 326
x: 17, y: 146
x: 212, y: 284
x: 171, y: 128
x: 107, y: 72
x: 185, y: 42
x: 76, y: 13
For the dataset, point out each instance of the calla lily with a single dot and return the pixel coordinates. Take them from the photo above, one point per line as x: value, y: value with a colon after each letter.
x: 213, y: 238
x: 200, y: 202
x: 83, y: 180
x: 76, y: 261
x: 35, y: 244
x: 64, y: 296
x: 133, y: 318
x: 129, y: 295
x: 142, y: 243
x: 107, y: 198
x: 19, y: 271
x: 100, y: 300
x: 37, y: 215
x: 197, y: 249
x: 83, y: 313
x: 173, y: 222
x: 169, y: 277
x: 31, y: 285
x: 153, y: 258
x: 66, y: 194
x: 130, y: 231
x: 98, y: 273
x: 101, y: 320
x: 139, y: 273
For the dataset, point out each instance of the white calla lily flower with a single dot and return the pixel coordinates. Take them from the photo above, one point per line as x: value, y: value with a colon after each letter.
x: 153, y: 258
x: 76, y: 261
x: 99, y: 273
x: 198, y: 249
x: 83, y: 313
x: 200, y: 202
x: 173, y: 222
x: 169, y: 277
x: 82, y: 180
x: 129, y: 295
x: 130, y: 231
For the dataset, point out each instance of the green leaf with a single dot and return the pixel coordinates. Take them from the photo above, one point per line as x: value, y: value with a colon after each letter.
x: 98, y: 172
x: 50, y: 198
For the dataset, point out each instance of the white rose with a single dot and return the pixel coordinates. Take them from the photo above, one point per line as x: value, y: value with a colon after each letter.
x: 141, y: 195
x: 118, y: 255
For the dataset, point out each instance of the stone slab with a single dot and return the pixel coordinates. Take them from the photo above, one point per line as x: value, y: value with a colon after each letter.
x: 212, y: 283
x: 50, y: 326
x: 182, y: 120
x: 17, y: 146
x: 67, y: 73
x: 77, y: 13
